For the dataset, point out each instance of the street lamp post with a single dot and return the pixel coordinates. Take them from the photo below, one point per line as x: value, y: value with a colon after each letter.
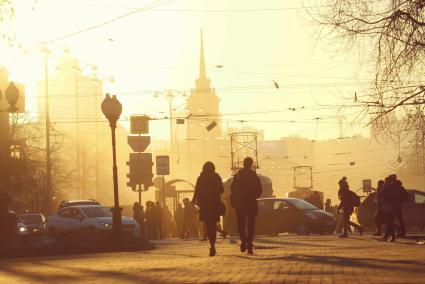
x: 112, y: 109
x: 11, y: 94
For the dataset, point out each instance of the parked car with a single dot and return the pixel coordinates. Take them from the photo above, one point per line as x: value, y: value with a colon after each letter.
x: 413, y: 210
x: 33, y: 222
x: 90, y: 218
x: 67, y: 203
x: 292, y: 215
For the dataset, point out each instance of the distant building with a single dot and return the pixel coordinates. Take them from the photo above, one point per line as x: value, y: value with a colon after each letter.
x: 81, y: 131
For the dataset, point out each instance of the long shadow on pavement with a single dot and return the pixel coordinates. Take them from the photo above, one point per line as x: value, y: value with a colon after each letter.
x: 78, y: 274
x: 371, y: 263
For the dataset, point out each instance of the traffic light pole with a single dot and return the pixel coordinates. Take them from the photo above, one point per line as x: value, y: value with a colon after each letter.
x: 140, y: 194
x: 164, y: 206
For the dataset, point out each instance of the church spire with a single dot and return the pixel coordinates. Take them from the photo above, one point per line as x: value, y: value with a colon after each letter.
x: 202, y: 82
x: 202, y: 71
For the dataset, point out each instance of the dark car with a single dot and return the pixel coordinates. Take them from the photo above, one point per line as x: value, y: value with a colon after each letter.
x: 292, y: 215
x: 67, y: 203
x: 33, y: 222
x: 413, y: 210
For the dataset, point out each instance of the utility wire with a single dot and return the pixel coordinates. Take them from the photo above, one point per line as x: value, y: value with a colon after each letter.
x: 136, y: 11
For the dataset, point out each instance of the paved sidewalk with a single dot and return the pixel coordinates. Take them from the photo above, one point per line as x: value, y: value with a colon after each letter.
x: 284, y: 259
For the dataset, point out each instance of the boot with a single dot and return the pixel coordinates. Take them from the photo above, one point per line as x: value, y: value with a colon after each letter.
x: 212, y: 251
x: 243, y: 246
x: 250, y: 251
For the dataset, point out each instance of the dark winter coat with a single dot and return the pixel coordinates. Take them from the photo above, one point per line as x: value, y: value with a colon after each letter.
x: 347, y: 200
x: 393, y: 195
x: 208, y: 188
x: 245, y: 189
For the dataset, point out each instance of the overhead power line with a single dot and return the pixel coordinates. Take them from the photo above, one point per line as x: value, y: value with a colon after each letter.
x: 136, y: 11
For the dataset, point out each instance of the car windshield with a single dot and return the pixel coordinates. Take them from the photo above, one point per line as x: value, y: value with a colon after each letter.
x: 301, y: 204
x: 95, y: 212
x: 31, y: 219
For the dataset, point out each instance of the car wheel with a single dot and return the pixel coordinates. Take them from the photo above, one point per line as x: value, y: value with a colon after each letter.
x: 302, y: 229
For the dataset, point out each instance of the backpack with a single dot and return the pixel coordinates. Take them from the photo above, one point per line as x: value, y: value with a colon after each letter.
x: 350, y: 198
x: 355, y: 199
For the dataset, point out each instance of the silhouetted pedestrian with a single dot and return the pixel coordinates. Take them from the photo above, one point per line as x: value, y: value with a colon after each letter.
x: 378, y: 214
x: 402, y: 197
x: 349, y: 200
x: 393, y: 196
x: 389, y: 199
x: 189, y: 219
x: 328, y: 206
x: 159, y: 220
x: 150, y: 226
x: 139, y: 217
x: 315, y: 200
x: 178, y: 220
x: 8, y: 219
x: 245, y: 189
x: 169, y: 224
x: 209, y: 187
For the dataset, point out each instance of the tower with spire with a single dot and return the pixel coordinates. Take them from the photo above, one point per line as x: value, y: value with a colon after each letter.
x: 203, y: 106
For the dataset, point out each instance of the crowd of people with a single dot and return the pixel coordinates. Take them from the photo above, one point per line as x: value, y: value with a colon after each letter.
x: 389, y: 197
x: 183, y: 224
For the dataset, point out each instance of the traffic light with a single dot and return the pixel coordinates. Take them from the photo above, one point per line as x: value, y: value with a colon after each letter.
x: 140, y: 169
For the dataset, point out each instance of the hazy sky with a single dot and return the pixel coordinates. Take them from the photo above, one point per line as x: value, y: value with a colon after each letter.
x: 256, y: 42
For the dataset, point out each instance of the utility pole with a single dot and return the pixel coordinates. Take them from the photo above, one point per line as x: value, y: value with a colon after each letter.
x: 4, y: 147
x: 97, y: 141
x: 170, y: 97
x: 48, y: 180
x: 77, y: 136
x: 340, y: 119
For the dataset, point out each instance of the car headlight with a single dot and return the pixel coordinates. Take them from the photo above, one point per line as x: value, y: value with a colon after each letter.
x: 106, y: 225
x: 22, y: 229
x: 311, y: 216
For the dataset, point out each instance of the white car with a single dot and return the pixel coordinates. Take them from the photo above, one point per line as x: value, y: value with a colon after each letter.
x: 87, y: 217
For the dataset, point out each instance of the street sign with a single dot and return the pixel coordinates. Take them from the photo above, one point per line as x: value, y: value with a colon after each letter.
x: 162, y: 165
x: 139, y: 143
x: 211, y: 125
x: 139, y: 124
x: 367, y: 185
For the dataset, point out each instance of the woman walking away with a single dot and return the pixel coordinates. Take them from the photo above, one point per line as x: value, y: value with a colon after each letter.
x: 208, y: 188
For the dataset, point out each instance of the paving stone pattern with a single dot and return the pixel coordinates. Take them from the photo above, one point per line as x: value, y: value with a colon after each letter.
x: 283, y: 259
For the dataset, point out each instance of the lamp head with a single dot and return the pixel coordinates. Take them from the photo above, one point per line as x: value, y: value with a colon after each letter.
x: 112, y: 109
x: 12, y: 95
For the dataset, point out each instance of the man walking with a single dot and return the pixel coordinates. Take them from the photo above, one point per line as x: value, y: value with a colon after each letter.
x: 245, y: 189
x: 349, y: 200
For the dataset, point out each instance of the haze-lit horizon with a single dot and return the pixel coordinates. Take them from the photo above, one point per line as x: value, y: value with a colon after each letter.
x: 247, y: 48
